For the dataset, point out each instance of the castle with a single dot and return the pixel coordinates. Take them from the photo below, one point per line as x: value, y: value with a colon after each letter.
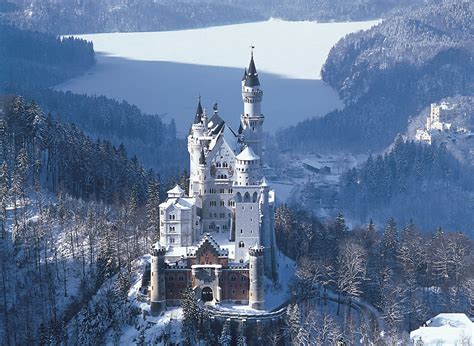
x: 219, y: 237
x: 442, y: 118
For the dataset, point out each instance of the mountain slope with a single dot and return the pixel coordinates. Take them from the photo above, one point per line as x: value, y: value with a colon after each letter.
x: 390, y: 72
x: 73, y: 16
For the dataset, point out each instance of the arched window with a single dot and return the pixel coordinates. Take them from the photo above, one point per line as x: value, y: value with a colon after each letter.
x: 238, y: 197
x: 246, y: 197
x: 254, y: 197
x: 241, y: 244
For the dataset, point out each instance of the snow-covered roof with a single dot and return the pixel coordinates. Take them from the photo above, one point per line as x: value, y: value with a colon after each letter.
x: 198, y: 266
x: 231, y: 138
x: 215, y: 124
x: 264, y: 182
x: 182, y: 203
x: 176, y: 191
x: 256, y: 246
x: 247, y: 155
x: 446, y: 328
x: 209, y: 239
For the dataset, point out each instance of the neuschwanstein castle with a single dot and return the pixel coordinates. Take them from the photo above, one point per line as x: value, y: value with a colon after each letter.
x: 219, y: 238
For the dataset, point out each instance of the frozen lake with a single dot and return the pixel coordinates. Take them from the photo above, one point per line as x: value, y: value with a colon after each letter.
x: 164, y: 72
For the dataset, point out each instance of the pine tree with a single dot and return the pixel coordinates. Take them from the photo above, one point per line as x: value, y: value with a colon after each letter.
x: 390, y: 243
x: 106, y: 259
x: 191, y: 315
x: 226, y: 338
x: 3, y: 198
x: 153, y: 210
x: 340, y: 224
x: 241, y: 338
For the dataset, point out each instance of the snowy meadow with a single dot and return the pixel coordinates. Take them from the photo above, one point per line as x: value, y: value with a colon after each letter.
x: 164, y: 72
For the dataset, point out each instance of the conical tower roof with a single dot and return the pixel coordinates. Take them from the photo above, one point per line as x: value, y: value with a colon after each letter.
x: 251, y: 79
x: 199, y: 112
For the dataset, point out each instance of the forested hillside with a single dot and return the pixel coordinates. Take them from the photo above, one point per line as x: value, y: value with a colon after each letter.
x: 145, y: 136
x: 390, y: 72
x: 71, y: 216
x: 409, y: 273
x: 414, y: 181
x: 32, y: 62
x: 72, y: 16
x: 36, y: 59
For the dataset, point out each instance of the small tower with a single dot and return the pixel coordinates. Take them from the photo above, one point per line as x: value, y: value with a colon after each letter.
x: 247, y: 166
x: 197, y: 131
x: 256, y: 277
x: 157, y: 280
x: 252, y: 119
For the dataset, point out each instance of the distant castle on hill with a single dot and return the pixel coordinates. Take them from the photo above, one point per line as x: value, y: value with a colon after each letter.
x: 219, y: 238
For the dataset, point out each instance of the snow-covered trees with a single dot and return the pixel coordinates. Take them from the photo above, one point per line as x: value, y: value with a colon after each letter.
x: 407, y: 275
x: 350, y: 269
x: 226, y: 337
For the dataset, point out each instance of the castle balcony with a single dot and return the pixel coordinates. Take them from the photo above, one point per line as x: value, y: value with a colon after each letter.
x: 221, y: 181
x: 252, y: 93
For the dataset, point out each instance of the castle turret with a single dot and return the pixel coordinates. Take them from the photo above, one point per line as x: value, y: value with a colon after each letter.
x: 157, y: 281
x: 256, y: 277
x: 252, y: 118
x: 195, y: 149
x: 247, y: 167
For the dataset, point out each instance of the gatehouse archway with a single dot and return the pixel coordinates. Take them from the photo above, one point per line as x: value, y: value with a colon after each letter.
x: 207, y: 295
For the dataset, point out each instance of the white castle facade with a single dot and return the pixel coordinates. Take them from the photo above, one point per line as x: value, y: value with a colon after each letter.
x: 226, y: 220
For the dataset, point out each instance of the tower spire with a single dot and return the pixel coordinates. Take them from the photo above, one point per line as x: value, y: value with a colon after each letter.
x: 251, y: 79
x: 199, y: 112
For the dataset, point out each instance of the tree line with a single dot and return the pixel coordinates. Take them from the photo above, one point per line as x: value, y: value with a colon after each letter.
x: 39, y: 59
x: 411, y: 181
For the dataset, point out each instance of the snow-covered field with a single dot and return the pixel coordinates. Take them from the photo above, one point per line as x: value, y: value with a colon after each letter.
x: 164, y: 72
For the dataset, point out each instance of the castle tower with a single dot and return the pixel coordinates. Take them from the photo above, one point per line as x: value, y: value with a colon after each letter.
x: 195, y: 149
x: 251, y: 120
x: 247, y: 167
x: 157, y: 281
x: 267, y: 227
x: 256, y: 277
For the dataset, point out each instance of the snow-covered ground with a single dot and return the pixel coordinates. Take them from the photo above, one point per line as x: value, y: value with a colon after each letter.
x: 445, y: 329
x: 163, y: 72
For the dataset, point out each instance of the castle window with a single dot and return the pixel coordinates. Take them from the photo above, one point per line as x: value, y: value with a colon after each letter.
x: 242, y: 278
x: 241, y: 244
x: 181, y: 278
x: 171, y: 278
x: 243, y: 291
x: 172, y: 240
x: 222, y: 203
x: 233, y: 278
x: 224, y: 226
x: 241, y: 231
x: 180, y: 291
x: 233, y: 291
